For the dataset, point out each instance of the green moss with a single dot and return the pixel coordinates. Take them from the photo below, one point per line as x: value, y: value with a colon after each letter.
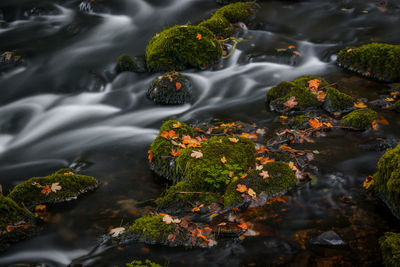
x: 197, y: 171
x: 72, y: 185
x: 278, y: 91
x: 299, y: 122
x: 180, y: 47
x: 151, y: 229
x: 125, y: 63
x: 360, y: 118
x: 146, y: 263
x: 281, y: 179
x: 337, y: 101
x: 386, y: 181
x: 390, y: 248
x: 380, y: 61
x: 220, y: 22
x: 303, y: 81
x: 11, y: 213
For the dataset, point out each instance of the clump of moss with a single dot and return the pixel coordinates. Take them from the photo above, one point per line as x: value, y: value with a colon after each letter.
x: 125, y: 63
x: 30, y: 192
x: 360, y: 118
x: 390, y: 248
x: 16, y: 223
x: 386, y: 181
x: 376, y: 60
x: 221, y: 22
x: 151, y: 229
x: 145, y: 263
x: 281, y: 179
x: 181, y: 47
x: 299, y: 122
x: 337, y: 101
x: 170, y: 88
x: 162, y: 162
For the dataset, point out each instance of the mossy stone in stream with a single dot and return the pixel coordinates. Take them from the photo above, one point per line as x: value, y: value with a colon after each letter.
x: 281, y: 179
x: 151, y: 229
x: 16, y: 223
x: 386, y: 181
x: 181, y: 47
x: 221, y: 22
x: 127, y: 63
x: 145, y: 263
x: 170, y: 88
x: 299, y: 122
x: 162, y: 163
x: 33, y: 191
x: 376, y: 60
x: 360, y: 118
x: 390, y: 248
x: 337, y: 101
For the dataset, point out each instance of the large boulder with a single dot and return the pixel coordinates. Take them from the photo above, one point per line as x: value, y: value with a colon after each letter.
x: 360, y: 118
x: 172, y: 88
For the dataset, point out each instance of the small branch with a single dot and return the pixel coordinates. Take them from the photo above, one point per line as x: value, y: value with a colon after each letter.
x: 191, y: 193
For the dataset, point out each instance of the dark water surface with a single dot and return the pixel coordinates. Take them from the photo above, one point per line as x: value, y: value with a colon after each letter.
x: 65, y: 105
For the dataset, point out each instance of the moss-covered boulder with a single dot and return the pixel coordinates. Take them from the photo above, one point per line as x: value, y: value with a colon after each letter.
x: 170, y: 88
x: 127, y: 63
x: 181, y: 47
x: 276, y: 178
x: 221, y: 21
x: 16, y: 223
x: 360, y: 118
x: 390, y: 248
x: 386, y: 181
x: 337, y: 101
x: 376, y: 60
x: 60, y: 186
x: 151, y: 229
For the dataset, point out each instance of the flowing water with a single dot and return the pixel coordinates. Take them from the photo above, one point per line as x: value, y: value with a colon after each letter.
x: 66, y: 107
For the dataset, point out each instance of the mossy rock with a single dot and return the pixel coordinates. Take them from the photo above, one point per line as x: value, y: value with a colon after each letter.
x: 360, y: 118
x: 151, y: 229
x: 282, y: 92
x: 145, y: 263
x: 126, y: 63
x: 162, y: 162
x: 29, y: 193
x: 16, y: 223
x: 337, y: 101
x: 171, y: 88
x: 390, y: 248
x: 221, y: 21
x: 281, y: 179
x: 181, y: 47
x: 386, y: 181
x: 299, y: 122
x: 376, y: 60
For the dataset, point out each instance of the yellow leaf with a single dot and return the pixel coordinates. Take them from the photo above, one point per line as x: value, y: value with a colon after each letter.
x: 233, y: 140
x: 251, y: 193
x: 223, y: 160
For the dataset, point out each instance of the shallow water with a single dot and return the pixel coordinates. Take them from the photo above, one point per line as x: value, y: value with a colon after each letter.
x: 67, y: 106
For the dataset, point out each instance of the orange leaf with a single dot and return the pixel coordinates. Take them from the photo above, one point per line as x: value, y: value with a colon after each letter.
x: 291, y: 47
x: 164, y: 134
x: 368, y: 182
x: 266, y: 160
x: 321, y: 96
x: 315, y: 123
x: 314, y: 84
x: 175, y: 153
x: 276, y: 199
x: 241, y: 188
x: 360, y: 105
x: 389, y: 99
x: 199, y: 36
x: 243, y: 225
x: 178, y: 85
x: 250, y: 136
x: 243, y: 176
x: 290, y: 103
x: 374, y: 125
x: 383, y: 120
x: 176, y: 125
x: 46, y: 190
x: 151, y: 156
x: 297, y: 53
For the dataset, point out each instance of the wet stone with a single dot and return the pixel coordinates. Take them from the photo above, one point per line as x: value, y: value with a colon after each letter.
x: 329, y: 238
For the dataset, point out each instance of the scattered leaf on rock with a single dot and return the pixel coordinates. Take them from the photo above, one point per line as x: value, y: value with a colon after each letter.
x: 241, y: 188
x: 196, y: 154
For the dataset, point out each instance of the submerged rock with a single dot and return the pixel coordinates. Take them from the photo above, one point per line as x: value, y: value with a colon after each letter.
x: 63, y: 185
x: 170, y: 88
x: 386, y: 181
x: 16, y: 223
x: 135, y: 64
x: 329, y: 238
x: 10, y: 60
x: 376, y: 60
x: 390, y: 248
x: 181, y: 47
x: 360, y: 118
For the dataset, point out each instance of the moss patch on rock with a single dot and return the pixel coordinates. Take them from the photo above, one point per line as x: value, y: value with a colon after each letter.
x: 37, y: 191
x: 337, y: 101
x: 151, y: 229
x: 127, y: 63
x: 376, y: 60
x: 390, y: 248
x: 360, y: 118
x: 299, y: 122
x: 181, y: 47
x: 145, y: 263
x: 221, y: 21
x: 170, y: 88
x: 386, y: 181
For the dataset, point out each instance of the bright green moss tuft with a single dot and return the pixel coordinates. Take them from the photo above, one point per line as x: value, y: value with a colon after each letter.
x: 377, y: 60
x: 220, y: 22
x: 72, y: 185
x: 152, y: 229
x: 390, y: 248
x: 386, y: 180
x: 337, y: 101
x: 11, y: 213
x: 360, y: 118
x: 181, y: 47
x: 145, y: 263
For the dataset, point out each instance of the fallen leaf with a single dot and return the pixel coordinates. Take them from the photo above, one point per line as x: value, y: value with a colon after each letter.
x: 383, y: 120
x: 175, y: 153
x: 241, y: 188
x: 223, y: 160
x: 349, y: 50
x: 260, y: 131
x: 117, y: 231
x: 368, y: 182
x: 315, y: 123
x: 360, y: 105
x: 314, y: 84
x: 321, y: 96
x: 233, y: 140
x: 151, y: 156
x: 178, y: 86
x: 55, y: 187
x: 291, y: 47
x: 199, y: 36
x: 243, y: 176
x: 176, y: 125
x: 251, y: 193
x: 374, y: 125
x: 290, y: 103
x: 297, y: 53
x: 243, y: 225
x: 46, y: 190
x: 264, y: 174
x: 195, y: 209
x: 389, y: 99
x: 196, y: 154
x: 259, y: 167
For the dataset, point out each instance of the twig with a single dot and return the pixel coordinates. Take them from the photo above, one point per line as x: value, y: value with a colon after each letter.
x: 191, y: 193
